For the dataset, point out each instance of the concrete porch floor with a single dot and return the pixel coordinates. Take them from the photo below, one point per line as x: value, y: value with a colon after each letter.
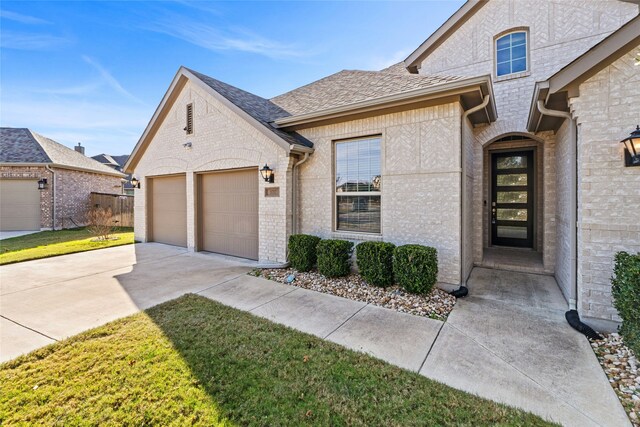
x: 513, y: 259
x: 508, y: 341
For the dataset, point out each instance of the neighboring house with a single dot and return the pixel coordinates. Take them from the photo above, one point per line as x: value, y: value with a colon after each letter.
x: 497, y: 142
x: 45, y: 185
x: 117, y: 163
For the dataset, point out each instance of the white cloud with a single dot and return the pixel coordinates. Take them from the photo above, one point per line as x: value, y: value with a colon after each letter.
x: 111, y: 81
x: 379, y: 63
x: 24, y: 19
x: 31, y: 41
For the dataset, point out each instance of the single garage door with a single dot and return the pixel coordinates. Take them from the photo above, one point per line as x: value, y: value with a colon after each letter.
x: 229, y: 213
x: 19, y: 205
x: 169, y: 210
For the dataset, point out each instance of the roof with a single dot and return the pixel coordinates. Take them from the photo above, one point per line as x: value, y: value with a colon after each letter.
x: 450, y: 26
x: 555, y: 91
x: 23, y: 146
x: 352, y: 86
x: 261, y: 109
x: 114, y: 161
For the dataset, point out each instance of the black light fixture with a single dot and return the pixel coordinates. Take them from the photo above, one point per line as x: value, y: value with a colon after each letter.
x: 42, y: 184
x: 632, y: 148
x: 267, y: 174
x: 135, y: 183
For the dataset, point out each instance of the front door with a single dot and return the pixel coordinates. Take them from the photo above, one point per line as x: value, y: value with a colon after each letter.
x: 512, y: 199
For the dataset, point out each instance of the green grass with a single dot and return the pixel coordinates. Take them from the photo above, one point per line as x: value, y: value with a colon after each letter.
x: 194, y: 361
x: 52, y: 243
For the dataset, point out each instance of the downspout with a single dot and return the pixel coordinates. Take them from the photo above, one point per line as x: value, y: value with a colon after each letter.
x: 572, y: 316
x: 294, y: 189
x: 462, y: 290
x: 53, y: 196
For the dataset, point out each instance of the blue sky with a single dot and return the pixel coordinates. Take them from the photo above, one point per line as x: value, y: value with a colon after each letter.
x: 94, y: 72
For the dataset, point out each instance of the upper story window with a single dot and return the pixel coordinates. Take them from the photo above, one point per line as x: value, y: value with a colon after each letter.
x: 358, y: 189
x: 511, y: 53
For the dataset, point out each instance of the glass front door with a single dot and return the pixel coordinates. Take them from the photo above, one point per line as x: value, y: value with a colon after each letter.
x: 512, y: 199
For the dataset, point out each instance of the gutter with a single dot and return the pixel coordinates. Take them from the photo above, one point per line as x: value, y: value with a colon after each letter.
x: 53, y: 196
x: 573, y: 198
x: 457, y: 87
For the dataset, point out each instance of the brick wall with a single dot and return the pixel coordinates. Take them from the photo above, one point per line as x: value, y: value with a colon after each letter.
x: 220, y: 140
x: 606, y: 111
x: 420, y: 181
x: 563, y: 211
x: 35, y: 173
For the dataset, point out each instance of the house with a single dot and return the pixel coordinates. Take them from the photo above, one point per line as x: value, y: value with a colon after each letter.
x: 117, y: 163
x: 45, y: 185
x: 497, y: 141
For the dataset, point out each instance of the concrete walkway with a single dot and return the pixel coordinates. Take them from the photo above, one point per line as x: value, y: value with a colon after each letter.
x: 10, y: 234
x: 507, y: 342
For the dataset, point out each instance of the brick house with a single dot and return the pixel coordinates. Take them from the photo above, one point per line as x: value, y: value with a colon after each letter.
x: 45, y: 185
x: 497, y: 141
x: 117, y: 163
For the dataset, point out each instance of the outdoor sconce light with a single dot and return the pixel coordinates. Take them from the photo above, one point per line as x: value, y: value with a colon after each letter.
x: 135, y: 183
x: 632, y: 148
x: 267, y: 174
x: 42, y: 184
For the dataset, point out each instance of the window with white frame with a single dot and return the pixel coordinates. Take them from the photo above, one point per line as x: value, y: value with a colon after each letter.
x: 511, y: 53
x: 358, y: 185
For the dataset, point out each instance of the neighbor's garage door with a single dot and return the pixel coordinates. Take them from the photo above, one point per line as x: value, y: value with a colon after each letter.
x: 19, y: 205
x: 229, y: 213
x: 169, y: 210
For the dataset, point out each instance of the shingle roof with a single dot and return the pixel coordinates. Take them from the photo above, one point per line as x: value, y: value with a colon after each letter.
x: 263, y: 110
x: 106, y: 159
x: 21, y: 145
x: 350, y: 86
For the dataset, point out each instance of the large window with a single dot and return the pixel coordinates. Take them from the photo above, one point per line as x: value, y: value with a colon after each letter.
x: 511, y: 53
x: 357, y: 168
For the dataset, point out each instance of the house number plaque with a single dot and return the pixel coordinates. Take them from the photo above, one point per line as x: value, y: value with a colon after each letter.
x: 272, y: 192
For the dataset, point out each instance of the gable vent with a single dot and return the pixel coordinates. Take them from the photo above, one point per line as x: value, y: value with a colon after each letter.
x: 189, y: 127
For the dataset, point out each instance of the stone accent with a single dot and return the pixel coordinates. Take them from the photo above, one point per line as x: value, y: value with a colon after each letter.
x: 421, y: 173
x: 221, y: 140
x: 72, y: 192
x: 606, y: 111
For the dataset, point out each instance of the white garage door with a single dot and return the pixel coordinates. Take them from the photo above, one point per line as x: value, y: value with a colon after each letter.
x: 169, y: 210
x: 19, y: 205
x: 229, y: 213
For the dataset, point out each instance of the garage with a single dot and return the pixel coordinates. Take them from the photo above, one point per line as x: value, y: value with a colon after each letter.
x: 20, y: 207
x: 169, y: 210
x: 228, y: 213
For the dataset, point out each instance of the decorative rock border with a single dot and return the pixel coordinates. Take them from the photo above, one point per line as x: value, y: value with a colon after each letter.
x: 436, y: 305
x: 623, y: 370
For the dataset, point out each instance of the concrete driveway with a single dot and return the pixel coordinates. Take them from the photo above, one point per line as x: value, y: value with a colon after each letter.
x: 46, y: 300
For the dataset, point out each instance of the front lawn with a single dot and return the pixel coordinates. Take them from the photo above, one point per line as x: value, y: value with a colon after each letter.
x: 52, y: 243
x: 194, y: 361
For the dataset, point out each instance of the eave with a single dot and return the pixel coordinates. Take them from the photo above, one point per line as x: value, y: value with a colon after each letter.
x: 60, y: 166
x: 469, y: 92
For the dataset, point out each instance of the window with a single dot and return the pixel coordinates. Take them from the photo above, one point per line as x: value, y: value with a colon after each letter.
x: 189, y: 127
x: 511, y: 53
x: 357, y: 168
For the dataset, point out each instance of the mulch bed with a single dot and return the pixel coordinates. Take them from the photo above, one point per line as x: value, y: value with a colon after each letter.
x: 436, y: 305
x: 623, y: 370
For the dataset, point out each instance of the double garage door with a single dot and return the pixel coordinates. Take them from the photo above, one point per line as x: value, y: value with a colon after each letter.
x: 227, y: 212
x: 19, y: 205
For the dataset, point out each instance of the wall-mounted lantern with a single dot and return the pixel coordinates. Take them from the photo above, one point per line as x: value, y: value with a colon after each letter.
x: 632, y: 148
x: 267, y: 174
x: 135, y: 183
x: 42, y: 184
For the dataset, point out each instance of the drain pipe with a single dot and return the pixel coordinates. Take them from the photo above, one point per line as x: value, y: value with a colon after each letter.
x: 462, y: 291
x: 53, y: 196
x: 294, y: 194
x: 572, y: 316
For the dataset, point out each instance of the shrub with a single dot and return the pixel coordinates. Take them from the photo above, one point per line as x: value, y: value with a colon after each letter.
x: 375, y: 262
x: 302, y: 251
x: 334, y: 257
x: 100, y: 223
x: 625, y: 290
x: 416, y: 268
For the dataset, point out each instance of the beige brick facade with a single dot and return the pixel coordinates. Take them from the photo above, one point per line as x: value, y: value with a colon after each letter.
x: 72, y: 192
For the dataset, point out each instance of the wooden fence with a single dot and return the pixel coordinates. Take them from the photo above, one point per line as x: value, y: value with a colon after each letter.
x: 121, y: 207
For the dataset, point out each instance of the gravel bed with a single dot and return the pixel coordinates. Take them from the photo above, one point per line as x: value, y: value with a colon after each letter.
x: 623, y: 370
x: 437, y: 305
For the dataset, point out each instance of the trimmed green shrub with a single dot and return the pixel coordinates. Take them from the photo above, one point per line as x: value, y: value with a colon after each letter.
x: 416, y: 268
x: 334, y: 257
x: 302, y: 251
x: 375, y: 262
x: 625, y: 289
